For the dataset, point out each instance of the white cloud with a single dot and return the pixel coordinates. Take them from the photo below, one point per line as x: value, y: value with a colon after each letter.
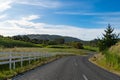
x: 25, y: 26
x: 113, y: 20
x: 31, y: 17
x: 5, y: 4
x: 3, y: 16
x: 41, y: 3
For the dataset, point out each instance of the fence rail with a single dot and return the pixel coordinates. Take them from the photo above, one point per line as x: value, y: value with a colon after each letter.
x: 12, y: 58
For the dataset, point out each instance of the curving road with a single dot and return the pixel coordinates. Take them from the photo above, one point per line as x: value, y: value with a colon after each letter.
x: 68, y: 68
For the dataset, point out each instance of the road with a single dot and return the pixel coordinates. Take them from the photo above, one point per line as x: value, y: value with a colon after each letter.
x: 68, y: 68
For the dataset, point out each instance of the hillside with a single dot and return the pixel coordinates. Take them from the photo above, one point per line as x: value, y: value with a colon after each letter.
x: 52, y: 37
x: 9, y: 43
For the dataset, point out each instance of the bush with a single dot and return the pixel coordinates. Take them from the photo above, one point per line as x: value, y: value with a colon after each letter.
x: 77, y: 45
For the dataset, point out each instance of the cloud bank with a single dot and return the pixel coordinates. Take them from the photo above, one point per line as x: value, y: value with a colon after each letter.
x: 26, y: 26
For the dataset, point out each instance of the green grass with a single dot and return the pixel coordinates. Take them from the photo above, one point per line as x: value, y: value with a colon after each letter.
x: 58, y: 46
x: 112, y: 60
x: 43, y: 50
x: 91, y: 48
x: 10, y: 43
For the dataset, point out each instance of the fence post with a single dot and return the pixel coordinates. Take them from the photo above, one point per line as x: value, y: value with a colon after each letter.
x: 10, y: 61
x: 34, y: 56
x: 21, y: 60
x: 14, y: 65
x: 29, y: 58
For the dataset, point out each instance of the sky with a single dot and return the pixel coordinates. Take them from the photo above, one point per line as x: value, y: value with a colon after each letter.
x: 83, y: 19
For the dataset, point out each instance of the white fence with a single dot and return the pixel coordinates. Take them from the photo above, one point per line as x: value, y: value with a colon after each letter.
x: 12, y: 58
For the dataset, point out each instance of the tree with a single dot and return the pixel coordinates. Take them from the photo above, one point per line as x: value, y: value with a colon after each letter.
x: 25, y: 38
x: 108, y: 39
x: 60, y: 40
x: 17, y: 37
x: 78, y: 45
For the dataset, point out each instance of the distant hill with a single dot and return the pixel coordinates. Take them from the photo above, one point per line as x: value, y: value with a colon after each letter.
x: 52, y: 37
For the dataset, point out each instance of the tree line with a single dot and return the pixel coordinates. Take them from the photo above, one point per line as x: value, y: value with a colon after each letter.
x: 57, y: 41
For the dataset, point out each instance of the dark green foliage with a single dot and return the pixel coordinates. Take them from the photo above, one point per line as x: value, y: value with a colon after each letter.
x: 22, y: 38
x: 17, y: 37
x: 108, y: 39
x: 77, y: 45
x: 60, y: 40
x: 51, y: 37
x: 52, y: 43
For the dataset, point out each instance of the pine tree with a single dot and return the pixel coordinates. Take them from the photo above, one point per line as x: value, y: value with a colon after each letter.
x: 108, y: 39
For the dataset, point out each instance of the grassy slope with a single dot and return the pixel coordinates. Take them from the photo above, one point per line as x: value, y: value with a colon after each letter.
x: 6, y: 42
x: 111, y: 59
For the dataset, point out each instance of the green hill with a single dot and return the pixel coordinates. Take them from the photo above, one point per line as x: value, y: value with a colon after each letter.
x: 9, y: 43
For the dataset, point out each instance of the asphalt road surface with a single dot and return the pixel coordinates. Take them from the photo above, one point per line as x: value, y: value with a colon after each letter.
x: 68, y: 68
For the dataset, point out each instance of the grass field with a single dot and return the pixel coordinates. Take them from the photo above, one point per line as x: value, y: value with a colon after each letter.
x: 67, y: 50
x: 91, y: 48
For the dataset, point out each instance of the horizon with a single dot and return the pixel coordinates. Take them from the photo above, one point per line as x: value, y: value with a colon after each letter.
x: 82, y: 19
x: 48, y: 35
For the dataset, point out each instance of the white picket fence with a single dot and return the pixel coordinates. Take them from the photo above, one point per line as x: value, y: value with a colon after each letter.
x: 12, y: 58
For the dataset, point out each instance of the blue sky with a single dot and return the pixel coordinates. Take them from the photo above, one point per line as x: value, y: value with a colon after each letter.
x: 84, y: 19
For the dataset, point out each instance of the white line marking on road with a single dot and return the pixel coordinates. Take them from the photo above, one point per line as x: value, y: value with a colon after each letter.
x: 85, y: 77
x: 76, y: 64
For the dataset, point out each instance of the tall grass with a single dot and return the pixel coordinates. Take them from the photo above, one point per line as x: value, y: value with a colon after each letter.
x: 113, y: 56
x: 112, y: 60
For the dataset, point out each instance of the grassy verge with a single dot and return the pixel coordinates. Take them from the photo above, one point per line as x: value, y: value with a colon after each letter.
x: 109, y: 63
x: 5, y: 73
x: 43, y: 50
x: 109, y: 59
x: 91, y: 48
